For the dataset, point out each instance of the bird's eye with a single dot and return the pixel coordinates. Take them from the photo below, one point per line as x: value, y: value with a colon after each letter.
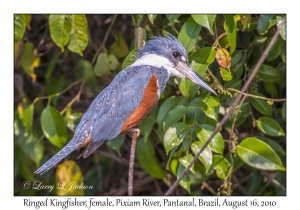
x: 175, y: 54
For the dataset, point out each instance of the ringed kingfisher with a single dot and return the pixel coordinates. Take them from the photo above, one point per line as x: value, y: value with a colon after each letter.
x: 131, y: 96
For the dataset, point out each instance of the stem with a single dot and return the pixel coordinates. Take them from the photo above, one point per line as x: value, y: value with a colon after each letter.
x: 104, y: 40
x: 57, y: 94
x: 245, y: 87
x: 135, y: 133
x: 131, y: 164
x: 259, y: 97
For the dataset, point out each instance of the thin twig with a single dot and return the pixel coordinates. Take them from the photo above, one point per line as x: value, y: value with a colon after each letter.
x: 104, y: 40
x: 273, y: 181
x: 245, y: 87
x: 57, y: 94
x: 210, y: 189
x: 131, y: 164
x: 140, y: 37
x: 76, y: 98
x: 135, y: 134
x: 259, y: 97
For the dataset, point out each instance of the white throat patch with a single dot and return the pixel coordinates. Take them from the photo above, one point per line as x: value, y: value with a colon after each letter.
x: 157, y: 61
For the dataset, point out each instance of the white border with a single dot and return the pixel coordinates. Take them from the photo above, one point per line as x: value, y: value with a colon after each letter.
x: 8, y: 8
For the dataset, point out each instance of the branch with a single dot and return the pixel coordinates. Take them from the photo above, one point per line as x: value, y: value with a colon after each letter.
x: 259, y: 97
x: 58, y: 94
x: 135, y: 132
x: 273, y: 181
x: 104, y: 40
x: 245, y: 87
x: 131, y: 164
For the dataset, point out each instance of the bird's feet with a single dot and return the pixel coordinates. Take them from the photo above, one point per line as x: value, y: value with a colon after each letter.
x: 132, y: 130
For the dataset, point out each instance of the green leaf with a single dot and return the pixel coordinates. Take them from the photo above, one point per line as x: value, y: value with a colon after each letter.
x: 283, y: 111
x: 205, y: 157
x: 19, y: 27
x: 262, y: 24
x: 101, y: 67
x: 28, y: 18
x: 151, y: 17
x: 268, y: 73
x: 55, y: 86
x: 221, y: 166
x: 27, y: 57
x: 185, y: 182
x: 200, y: 174
x: 136, y: 19
x: 59, y: 30
x: 226, y: 74
x: 73, y: 119
x: 237, y: 71
x: 113, y: 62
x: 70, y: 171
x: 206, y: 21
x: 188, y: 34
x: 204, y: 131
x: 54, y: 126
x: 187, y: 88
x: 210, y: 105
x: 269, y: 126
x: 168, y: 105
x: 186, y: 160
x: 258, y: 154
x: 202, y: 58
x: 28, y: 118
x: 32, y: 149
x: 119, y: 47
x: 276, y: 49
x: 213, y: 106
x: 245, y: 20
x: 270, y: 87
x: 52, y: 65
x: 236, y: 58
x: 173, y: 116
x: 242, y: 116
x: 116, y: 143
x: 148, y: 159
x: 85, y: 69
x: 281, y: 68
x: 230, y: 28
x: 261, y: 105
x: 79, y: 34
x: 236, y: 84
x: 172, y: 19
x: 148, y: 123
x: 260, y: 39
x: 282, y: 29
x: 273, y: 144
x: 130, y: 58
x: 175, y: 135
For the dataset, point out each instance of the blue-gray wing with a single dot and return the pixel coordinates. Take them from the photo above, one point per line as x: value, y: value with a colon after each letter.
x: 118, y: 100
x: 106, y: 115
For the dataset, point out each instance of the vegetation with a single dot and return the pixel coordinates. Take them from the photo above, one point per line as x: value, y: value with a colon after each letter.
x: 63, y: 61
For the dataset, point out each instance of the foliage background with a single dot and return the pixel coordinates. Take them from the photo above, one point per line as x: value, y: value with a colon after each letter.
x: 58, y: 75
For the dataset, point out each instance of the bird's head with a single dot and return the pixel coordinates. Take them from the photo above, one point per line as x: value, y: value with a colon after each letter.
x: 169, y: 53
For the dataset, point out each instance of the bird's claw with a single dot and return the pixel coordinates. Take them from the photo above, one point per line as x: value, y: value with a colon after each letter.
x: 132, y: 130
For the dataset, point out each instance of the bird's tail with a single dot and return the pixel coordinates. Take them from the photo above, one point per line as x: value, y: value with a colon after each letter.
x: 70, y: 147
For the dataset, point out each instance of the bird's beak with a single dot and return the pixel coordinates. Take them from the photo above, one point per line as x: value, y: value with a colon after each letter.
x: 192, y: 75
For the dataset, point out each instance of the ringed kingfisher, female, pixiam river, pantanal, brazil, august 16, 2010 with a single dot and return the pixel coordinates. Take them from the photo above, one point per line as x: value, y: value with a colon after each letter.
x: 130, y: 97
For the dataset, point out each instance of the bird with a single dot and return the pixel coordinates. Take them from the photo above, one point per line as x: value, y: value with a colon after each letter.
x: 131, y: 96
